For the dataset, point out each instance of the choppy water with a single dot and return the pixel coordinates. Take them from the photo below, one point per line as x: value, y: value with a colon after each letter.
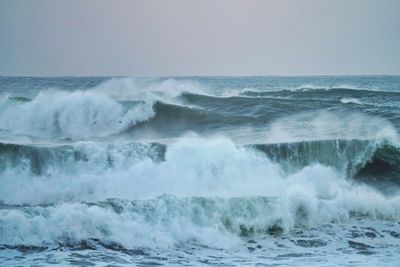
x: 266, y: 171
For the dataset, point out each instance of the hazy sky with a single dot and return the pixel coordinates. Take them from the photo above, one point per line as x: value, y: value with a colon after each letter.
x: 204, y: 37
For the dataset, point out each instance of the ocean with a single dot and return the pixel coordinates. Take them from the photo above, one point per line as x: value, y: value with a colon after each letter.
x: 199, y: 171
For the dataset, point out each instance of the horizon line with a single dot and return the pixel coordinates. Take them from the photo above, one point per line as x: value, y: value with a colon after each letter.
x: 198, y: 76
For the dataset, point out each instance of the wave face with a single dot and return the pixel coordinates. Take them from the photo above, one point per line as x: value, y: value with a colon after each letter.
x: 60, y: 114
x: 199, y: 170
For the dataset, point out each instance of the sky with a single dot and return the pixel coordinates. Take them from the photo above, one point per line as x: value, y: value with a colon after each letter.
x: 204, y: 37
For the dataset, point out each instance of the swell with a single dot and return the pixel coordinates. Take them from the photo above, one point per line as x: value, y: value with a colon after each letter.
x: 333, y: 95
x: 242, y: 101
x: 210, y: 111
x: 264, y: 106
x: 255, y: 110
x: 319, y: 91
x: 175, y: 120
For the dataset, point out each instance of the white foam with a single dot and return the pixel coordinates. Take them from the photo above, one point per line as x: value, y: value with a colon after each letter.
x: 231, y: 177
x: 96, y: 112
x: 326, y: 125
x: 305, y: 87
x: 78, y: 114
x: 134, y: 89
x: 347, y: 100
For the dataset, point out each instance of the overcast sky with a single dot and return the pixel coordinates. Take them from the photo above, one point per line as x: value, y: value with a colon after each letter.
x: 204, y: 37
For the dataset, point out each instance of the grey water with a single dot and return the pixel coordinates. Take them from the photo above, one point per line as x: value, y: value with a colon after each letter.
x: 198, y: 171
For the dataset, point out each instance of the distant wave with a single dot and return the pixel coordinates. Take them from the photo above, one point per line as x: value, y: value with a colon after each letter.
x: 307, y: 88
x: 316, y: 91
x: 347, y: 100
x: 324, y: 87
x: 129, y: 89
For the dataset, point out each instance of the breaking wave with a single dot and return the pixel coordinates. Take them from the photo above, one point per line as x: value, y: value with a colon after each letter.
x: 78, y: 115
x: 107, y: 109
x: 155, y: 195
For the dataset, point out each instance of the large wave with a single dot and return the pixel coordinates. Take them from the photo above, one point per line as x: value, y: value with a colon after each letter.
x: 107, y: 109
x: 353, y: 158
x: 80, y: 114
x: 166, y: 197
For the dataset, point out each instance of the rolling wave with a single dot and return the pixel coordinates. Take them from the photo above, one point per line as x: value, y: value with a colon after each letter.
x: 364, y: 159
x: 79, y: 115
x: 355, y: 158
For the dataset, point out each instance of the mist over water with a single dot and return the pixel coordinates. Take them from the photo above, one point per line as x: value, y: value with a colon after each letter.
x: 200, y: 170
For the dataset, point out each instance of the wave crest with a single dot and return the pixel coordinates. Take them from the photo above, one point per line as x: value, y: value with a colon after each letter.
x: 77, y: 115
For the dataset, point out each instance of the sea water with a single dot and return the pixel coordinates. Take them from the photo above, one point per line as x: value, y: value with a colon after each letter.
x: 197, y: 171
